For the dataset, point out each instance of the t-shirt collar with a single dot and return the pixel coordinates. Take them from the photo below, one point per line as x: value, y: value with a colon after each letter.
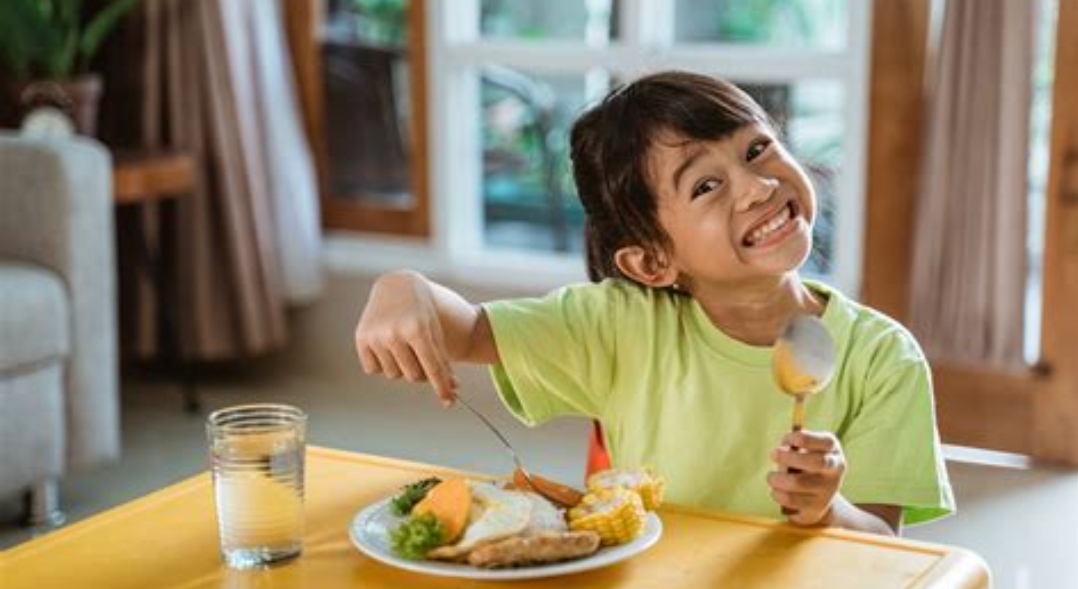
x: 835, y: 318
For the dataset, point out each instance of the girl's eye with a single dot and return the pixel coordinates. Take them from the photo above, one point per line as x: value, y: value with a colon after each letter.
x: 757, y: 149
x: 709, y: 185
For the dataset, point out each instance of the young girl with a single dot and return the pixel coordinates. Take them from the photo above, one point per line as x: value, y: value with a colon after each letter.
x: 697, y: 222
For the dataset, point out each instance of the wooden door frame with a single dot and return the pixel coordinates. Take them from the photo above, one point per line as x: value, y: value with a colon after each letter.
x: 304, y: 19
x: 1055, y: 436
x: 1034, y: 412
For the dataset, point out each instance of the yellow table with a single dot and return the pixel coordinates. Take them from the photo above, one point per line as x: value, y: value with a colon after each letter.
x: 169, y: 539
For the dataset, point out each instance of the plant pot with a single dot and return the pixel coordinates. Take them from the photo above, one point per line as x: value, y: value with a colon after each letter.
x: 78, y: 97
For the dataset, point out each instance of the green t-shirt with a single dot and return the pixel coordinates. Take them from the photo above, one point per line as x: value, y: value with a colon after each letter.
x: 674, y: 392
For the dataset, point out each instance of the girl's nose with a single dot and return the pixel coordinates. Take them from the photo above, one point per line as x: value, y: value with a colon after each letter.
x: 752, y: 189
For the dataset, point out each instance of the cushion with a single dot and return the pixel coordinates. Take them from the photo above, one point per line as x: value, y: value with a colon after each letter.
x: 34, y: 317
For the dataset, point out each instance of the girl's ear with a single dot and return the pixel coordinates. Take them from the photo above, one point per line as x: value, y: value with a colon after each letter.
x: 648, y: 268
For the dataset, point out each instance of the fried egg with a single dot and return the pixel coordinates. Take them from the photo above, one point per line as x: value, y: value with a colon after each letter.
x: 545, y: 516
x: 495, y: 514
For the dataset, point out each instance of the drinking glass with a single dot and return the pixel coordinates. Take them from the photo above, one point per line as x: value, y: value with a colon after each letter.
x: 257, y: 453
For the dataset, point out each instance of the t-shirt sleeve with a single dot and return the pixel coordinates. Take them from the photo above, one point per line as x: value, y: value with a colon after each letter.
x: 556, y: 352
x: 892, y: 447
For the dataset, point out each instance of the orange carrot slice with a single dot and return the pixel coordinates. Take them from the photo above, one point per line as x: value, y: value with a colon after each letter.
x: 449, y: 501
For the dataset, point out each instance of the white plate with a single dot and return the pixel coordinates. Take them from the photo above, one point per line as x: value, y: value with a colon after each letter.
x: 370, y: 533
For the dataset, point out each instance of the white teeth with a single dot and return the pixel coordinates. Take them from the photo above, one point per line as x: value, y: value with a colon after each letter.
x: 777, y: 222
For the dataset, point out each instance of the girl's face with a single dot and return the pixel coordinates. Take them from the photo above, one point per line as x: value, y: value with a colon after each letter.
x: 735, y: 209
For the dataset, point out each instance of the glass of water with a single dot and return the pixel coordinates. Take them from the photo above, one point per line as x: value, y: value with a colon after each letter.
x: 258, y: 453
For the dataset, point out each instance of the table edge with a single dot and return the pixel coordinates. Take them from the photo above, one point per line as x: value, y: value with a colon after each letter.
x: 958, y: 569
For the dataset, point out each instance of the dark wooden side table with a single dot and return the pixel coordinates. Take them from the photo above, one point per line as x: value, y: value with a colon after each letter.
x: 141, y: 178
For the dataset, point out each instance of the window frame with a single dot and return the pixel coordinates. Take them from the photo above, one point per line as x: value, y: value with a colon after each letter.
x: 304, y: 22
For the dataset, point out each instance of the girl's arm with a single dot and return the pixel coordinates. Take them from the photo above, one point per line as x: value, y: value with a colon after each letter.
x: 413, y: 327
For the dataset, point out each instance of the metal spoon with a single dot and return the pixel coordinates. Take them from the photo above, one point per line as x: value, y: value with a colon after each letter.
x: 803, y: 363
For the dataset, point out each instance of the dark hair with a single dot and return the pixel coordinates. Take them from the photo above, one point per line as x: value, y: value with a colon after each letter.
x: 609, y: 146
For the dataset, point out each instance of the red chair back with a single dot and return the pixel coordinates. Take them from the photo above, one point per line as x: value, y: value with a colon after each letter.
x: 598, y: 457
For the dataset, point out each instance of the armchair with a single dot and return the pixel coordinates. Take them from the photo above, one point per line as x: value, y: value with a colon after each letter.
x: 59, y: 401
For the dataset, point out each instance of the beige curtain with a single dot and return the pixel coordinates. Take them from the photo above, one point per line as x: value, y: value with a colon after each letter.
x: 197, y: 97
x: 969, y: 267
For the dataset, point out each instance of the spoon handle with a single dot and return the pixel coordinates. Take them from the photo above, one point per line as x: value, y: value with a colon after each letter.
x: 799, y: 411
x: 799, y: 419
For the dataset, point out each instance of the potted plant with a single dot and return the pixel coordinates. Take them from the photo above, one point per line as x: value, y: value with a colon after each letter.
x: 46, y: 47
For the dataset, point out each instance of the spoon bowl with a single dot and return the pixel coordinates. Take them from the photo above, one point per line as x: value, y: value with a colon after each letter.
x: 804, y: 359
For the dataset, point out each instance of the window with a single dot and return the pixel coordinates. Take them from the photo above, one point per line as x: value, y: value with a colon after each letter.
x: 508, y: 79
x: 369, y: 133
x: 1040, y: 123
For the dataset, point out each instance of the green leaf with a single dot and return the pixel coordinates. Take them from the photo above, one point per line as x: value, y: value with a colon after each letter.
x: 28, y: 37
x: 68, y: 13
x: 16, y: 43
x: 416, y: 537
x: 101, y: 25
x: 403, y: 503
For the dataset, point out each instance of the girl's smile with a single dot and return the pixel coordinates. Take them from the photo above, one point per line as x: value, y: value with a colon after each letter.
x: 773, y: 227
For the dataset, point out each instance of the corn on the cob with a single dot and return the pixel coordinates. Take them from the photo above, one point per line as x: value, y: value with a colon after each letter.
x: 643, y: 481
x: 617, y: 515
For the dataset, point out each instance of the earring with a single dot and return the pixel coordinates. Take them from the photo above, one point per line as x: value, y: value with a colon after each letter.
x: 676, y: 286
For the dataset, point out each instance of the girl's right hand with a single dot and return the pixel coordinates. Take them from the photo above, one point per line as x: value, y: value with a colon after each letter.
x: 400, y: 334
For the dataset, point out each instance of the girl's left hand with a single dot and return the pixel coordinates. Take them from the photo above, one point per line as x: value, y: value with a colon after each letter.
x: 812, y: 491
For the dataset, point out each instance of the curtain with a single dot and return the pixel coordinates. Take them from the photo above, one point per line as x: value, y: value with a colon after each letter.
x: 291, y: 165
x: 969, y: 265
x: 215, y: 81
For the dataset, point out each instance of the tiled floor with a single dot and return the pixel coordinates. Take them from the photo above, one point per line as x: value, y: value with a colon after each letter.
x: 1023, y: 522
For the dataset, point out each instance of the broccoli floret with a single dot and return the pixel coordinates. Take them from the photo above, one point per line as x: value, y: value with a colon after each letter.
x: 416, y: 537
x: 411, y: 494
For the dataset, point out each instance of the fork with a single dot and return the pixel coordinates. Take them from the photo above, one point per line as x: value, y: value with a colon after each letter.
x: 504, y: 441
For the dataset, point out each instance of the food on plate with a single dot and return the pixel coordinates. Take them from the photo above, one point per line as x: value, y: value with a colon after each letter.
x: 403, y: 502
x: 490, y: 524
x: 643, y: 481
x: 617, y: 503
x: 487, y: 525
x: 617, y: 515
x: 561, y: 495
x: 449, y: 502
x: 515, y: 528
x: 495, y: 514
x: 416, y: 537
x: 542, y: 548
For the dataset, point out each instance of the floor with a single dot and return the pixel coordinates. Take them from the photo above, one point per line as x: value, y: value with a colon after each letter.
x: 1024, y: 522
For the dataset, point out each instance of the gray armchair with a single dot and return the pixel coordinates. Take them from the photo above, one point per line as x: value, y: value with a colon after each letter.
x: 59, y: 401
